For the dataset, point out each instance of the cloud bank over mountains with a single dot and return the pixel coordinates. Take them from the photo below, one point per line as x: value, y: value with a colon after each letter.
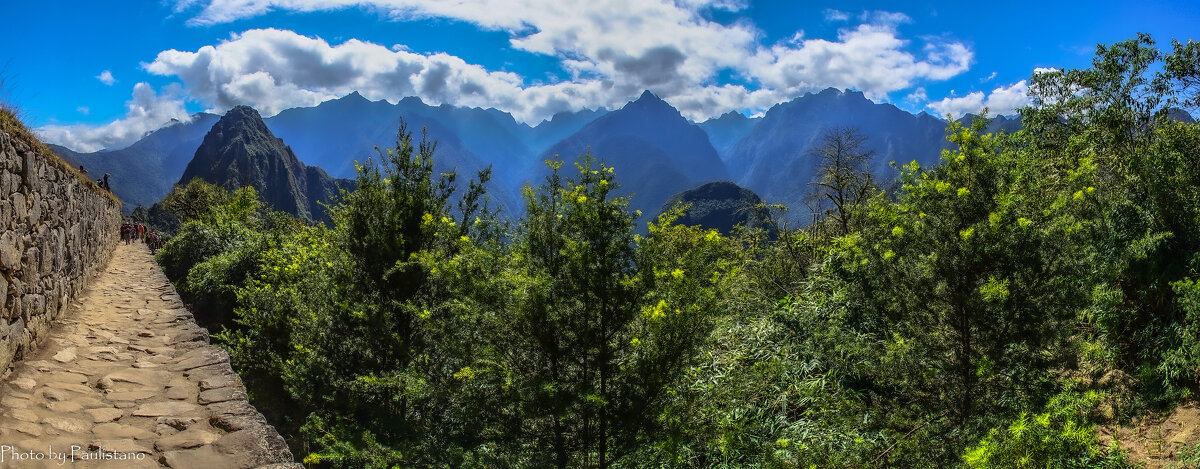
x: 147, y: 110
x: 611, y: 50
x: 1002, y: 100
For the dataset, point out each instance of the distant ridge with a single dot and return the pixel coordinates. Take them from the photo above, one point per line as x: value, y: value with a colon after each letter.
x: 655, y: 151
x: 725, y: 131
x: 722, y: 206
x: 774, y: 159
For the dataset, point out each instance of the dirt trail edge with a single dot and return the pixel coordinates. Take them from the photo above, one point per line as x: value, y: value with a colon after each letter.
x: 127, y: 379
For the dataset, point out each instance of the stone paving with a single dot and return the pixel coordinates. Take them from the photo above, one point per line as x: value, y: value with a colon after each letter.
x: 127, y: 379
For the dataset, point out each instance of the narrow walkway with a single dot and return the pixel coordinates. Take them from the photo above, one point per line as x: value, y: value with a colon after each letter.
x: 127, y: 379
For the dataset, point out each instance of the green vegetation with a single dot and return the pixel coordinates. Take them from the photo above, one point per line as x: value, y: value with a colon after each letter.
x: 991, y: 311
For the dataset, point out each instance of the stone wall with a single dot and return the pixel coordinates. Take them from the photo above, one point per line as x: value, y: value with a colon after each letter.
x: 57, y: 233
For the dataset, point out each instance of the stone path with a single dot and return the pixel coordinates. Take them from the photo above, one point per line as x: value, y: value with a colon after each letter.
x: 127, y: 379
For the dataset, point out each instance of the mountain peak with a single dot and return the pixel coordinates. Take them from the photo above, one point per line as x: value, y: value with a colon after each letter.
x: 242, y: 111
x: 355, y: 96
x: 831, y: 91
x: 648, y: 98
x: 241, y: 119
x: 240, y: 150
x: 412, y: 101
x: 732, y: 116
x: 650, y: 102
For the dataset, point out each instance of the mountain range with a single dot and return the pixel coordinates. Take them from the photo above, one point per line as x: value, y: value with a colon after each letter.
x: 656, y: 151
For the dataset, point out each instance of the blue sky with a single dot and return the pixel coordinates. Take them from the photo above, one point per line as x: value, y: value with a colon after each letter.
x: 92, y: 75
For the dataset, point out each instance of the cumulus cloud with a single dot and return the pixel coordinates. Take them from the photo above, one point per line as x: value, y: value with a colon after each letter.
x: 1004, y: 100
x: 147, y: 110
x: 106, y: 78
x: 611, y: 51
x: 592, y: 38
x: 274, y: 70
x: 917, y: 96
x: 870, y: 58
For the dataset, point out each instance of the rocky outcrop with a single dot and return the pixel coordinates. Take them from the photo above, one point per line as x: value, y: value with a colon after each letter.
x: 58, y: 231
x: 241, y: 151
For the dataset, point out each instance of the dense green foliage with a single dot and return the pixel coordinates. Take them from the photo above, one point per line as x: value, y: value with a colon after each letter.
x: 990, y: 311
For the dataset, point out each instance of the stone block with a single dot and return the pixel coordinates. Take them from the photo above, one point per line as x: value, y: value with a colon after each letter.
x: 35, y: 207
x: 30, y: 172
x: 20, y: 208
x: 6, y: 211
x: 29, y: 267
x: 10, y: 251
x: 3, y: 295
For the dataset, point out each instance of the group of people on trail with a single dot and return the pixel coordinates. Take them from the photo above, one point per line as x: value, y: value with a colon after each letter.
x: 131, y: 232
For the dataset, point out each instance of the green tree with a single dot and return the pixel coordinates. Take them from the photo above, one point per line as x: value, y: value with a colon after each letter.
x: 970, y: 279
x: 576, y: 248
x: 1118, y: 113
x: 599, y: 323
x: 337, y: 317
x: 195, y: 200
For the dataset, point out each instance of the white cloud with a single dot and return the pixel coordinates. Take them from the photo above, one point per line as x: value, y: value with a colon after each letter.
x: 147, y: 110
x: 833, y: 15
x: 988, y: 78
x: 917, y: 96
x: 1040, y: 70
x: 611, y: 51
x: 106, y: 78
x: 880, y: 17
x: 273, y: 70
x: 1004, y: 100
x: 83, y: 110
x: 869, y: 57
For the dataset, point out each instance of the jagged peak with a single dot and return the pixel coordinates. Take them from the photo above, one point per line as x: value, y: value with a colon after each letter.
x: 354, y: 96
x: 242, y: 119
x: 831, y: 91
x: 242, y: 111
x: 732, y: 116
x: 410, y: 100
x: 650, y: 100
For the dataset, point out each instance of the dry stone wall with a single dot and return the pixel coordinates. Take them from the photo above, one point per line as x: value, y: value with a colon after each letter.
x: 58, y: 232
